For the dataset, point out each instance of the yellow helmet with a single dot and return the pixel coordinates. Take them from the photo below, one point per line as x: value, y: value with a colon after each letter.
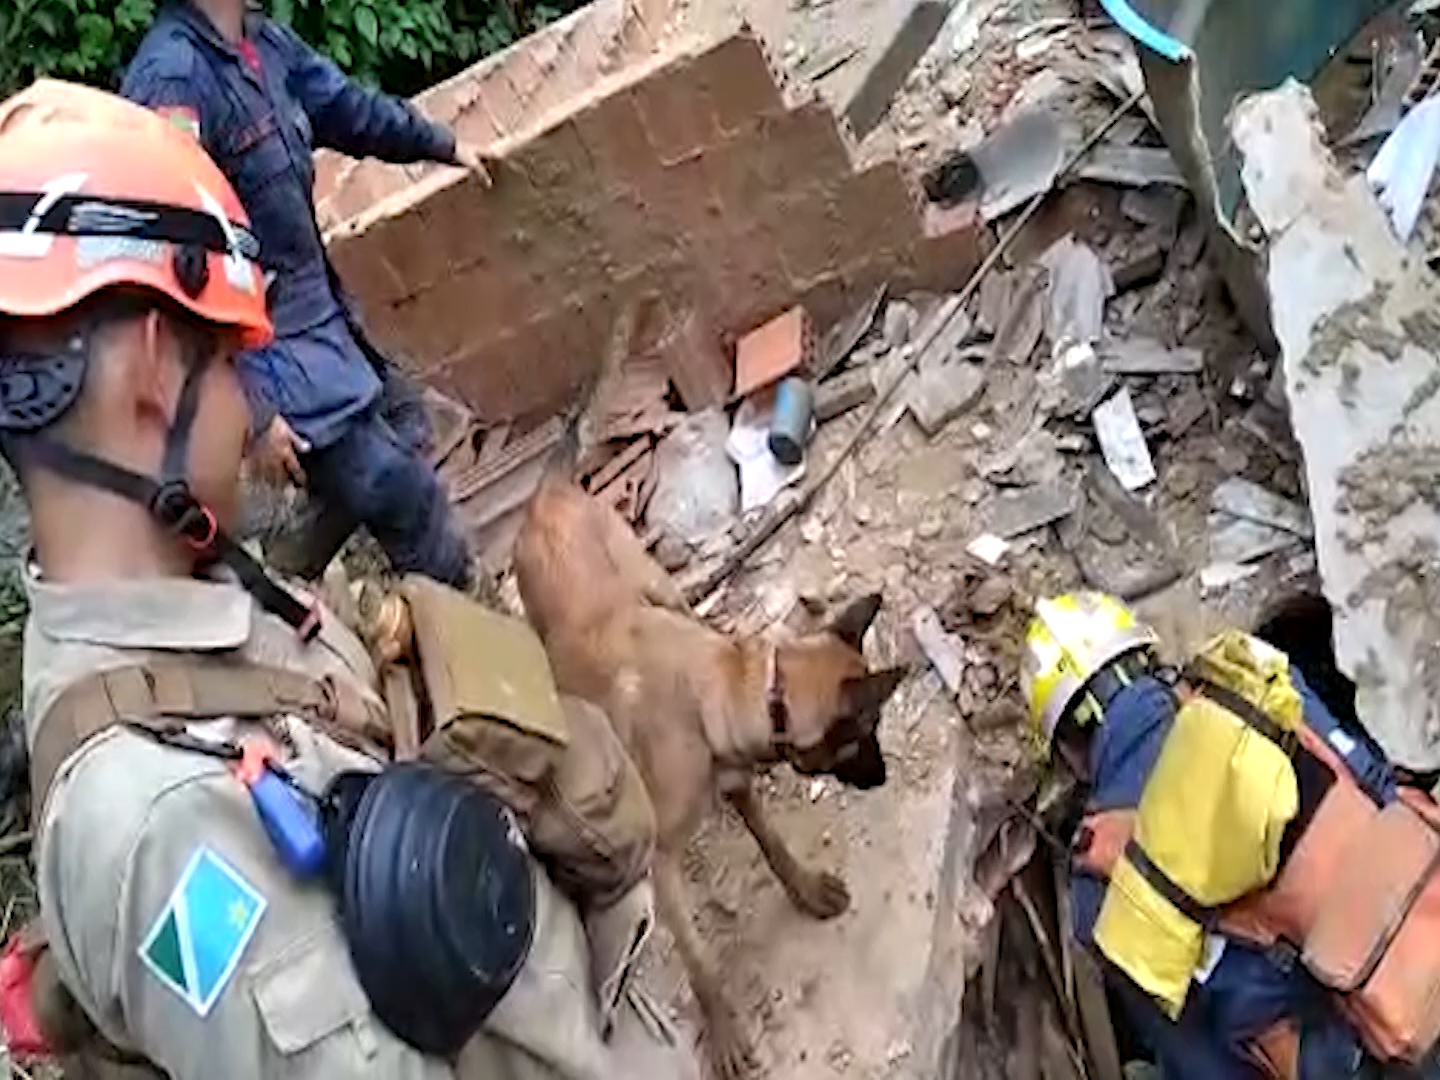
x: 1071, y: 639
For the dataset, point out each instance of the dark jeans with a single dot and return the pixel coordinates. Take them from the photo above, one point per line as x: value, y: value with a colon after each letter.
x: 377, y: 475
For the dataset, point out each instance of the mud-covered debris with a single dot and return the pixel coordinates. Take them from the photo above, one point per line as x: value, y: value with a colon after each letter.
x: 1141, y: 267
x: 1130, y: 166
x: 1015, y: 513
x: 942, y: 390
x: 672, y: 553
x: 1023, y: 323
x: 990, y: 595
x: 1235, y: 540
x: 901, y: 320
x: 1123, y: 443
x: 1185, y: 410
x: 1079, y: 285
x: 988, y: 548
x: 845, y: 337
x: 944, y: 650
x: 1249, y: 501
x: 1082, y: 378
x: 996, y: 292
x: 1159, y: 208
x: 1217, y: 577
x: 839, y: 394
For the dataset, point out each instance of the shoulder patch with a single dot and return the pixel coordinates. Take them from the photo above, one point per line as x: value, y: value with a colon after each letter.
x: 196, y: 942
x: 182, y: 118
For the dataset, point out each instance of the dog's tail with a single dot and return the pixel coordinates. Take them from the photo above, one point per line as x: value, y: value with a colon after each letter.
x: 585, y: 421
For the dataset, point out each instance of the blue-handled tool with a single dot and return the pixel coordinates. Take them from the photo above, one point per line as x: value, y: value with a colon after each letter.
x: 290, y: 815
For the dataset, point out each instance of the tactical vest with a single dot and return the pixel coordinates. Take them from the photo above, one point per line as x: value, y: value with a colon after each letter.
x: 1252, y: 826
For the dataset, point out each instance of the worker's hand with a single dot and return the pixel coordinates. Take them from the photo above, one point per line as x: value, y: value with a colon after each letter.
x: 276, y: 454
x: 470, y: 156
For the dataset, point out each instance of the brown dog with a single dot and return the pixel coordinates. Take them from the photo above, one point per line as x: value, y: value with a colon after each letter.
x: 699, y: 712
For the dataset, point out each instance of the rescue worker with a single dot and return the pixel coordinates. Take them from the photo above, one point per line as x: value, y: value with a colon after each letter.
x: 180, y: 703
x: 1242, y: 864
x: 328, y: 411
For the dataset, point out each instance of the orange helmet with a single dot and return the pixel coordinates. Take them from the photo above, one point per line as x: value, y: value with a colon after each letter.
x: 96, y: 192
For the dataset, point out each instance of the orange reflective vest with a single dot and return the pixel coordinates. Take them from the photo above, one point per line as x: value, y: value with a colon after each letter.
x: 1356, y: 900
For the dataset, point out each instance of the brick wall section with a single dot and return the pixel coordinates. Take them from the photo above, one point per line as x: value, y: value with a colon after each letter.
x: 687, y: 177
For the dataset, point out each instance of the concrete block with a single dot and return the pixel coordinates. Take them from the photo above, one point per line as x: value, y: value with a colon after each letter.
x: 1355, y: 317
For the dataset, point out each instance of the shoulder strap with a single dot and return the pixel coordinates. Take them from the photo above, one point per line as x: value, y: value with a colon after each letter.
x: 186, y: 689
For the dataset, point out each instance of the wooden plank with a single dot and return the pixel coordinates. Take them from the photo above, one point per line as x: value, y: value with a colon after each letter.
x: 518, y: 454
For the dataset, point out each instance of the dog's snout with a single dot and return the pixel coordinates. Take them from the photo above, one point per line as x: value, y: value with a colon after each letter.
x: 863, y: 769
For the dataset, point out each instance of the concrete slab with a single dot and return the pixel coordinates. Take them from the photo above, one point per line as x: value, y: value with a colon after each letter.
x: 1355, y: 315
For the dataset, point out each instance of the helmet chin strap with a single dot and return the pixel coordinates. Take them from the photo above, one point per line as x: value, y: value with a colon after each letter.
x: 172, y: 503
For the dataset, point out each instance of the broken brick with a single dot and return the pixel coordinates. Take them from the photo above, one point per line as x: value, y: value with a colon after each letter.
x: 766, y: 355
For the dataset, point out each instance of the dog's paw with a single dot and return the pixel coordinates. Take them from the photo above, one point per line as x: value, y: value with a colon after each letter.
x: 728, y: 1048
x: 821, y: 896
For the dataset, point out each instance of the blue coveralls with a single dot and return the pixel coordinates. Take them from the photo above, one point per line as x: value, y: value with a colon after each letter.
x: 1248, y: 990
x: 366, y: 427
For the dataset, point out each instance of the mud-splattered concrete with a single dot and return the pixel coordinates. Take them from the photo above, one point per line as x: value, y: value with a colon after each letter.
x: 1354, y: 313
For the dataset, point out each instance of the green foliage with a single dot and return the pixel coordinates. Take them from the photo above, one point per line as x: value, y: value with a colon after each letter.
x: 81, y: 40
x: 400, y: 45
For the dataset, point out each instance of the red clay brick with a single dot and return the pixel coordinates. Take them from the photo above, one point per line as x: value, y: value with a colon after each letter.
x: 829, y: 299
x: 955, y: 243
x: 743, y: 280
x: 481, y: 378
x: 786, y: 152
x: 690, y: 186
x: 556, y: 159
x: 769, y: 353
x: 402, y: 242
x: 741, y: 87
x: 874, y: 207
x: 685, y: 199
x: 366, y: 272
x: 806, y: 230
x: 619, y: 149
x: 676, y: 112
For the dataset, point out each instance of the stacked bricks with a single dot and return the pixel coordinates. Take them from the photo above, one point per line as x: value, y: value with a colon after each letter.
x: 686, y: 177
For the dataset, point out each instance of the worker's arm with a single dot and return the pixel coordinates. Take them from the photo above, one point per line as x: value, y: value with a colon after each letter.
x: 358, y: 121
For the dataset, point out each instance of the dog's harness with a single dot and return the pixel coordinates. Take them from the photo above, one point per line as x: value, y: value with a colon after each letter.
x: 811, y: 759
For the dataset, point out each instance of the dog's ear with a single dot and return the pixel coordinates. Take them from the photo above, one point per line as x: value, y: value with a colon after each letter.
x: 850, y: 625
x: 864, y: 698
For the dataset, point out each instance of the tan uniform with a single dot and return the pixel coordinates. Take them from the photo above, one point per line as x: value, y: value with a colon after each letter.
x: 128, y: 820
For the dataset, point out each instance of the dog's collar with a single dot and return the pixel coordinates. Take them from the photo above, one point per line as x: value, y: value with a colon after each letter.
x: 775, y: 700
